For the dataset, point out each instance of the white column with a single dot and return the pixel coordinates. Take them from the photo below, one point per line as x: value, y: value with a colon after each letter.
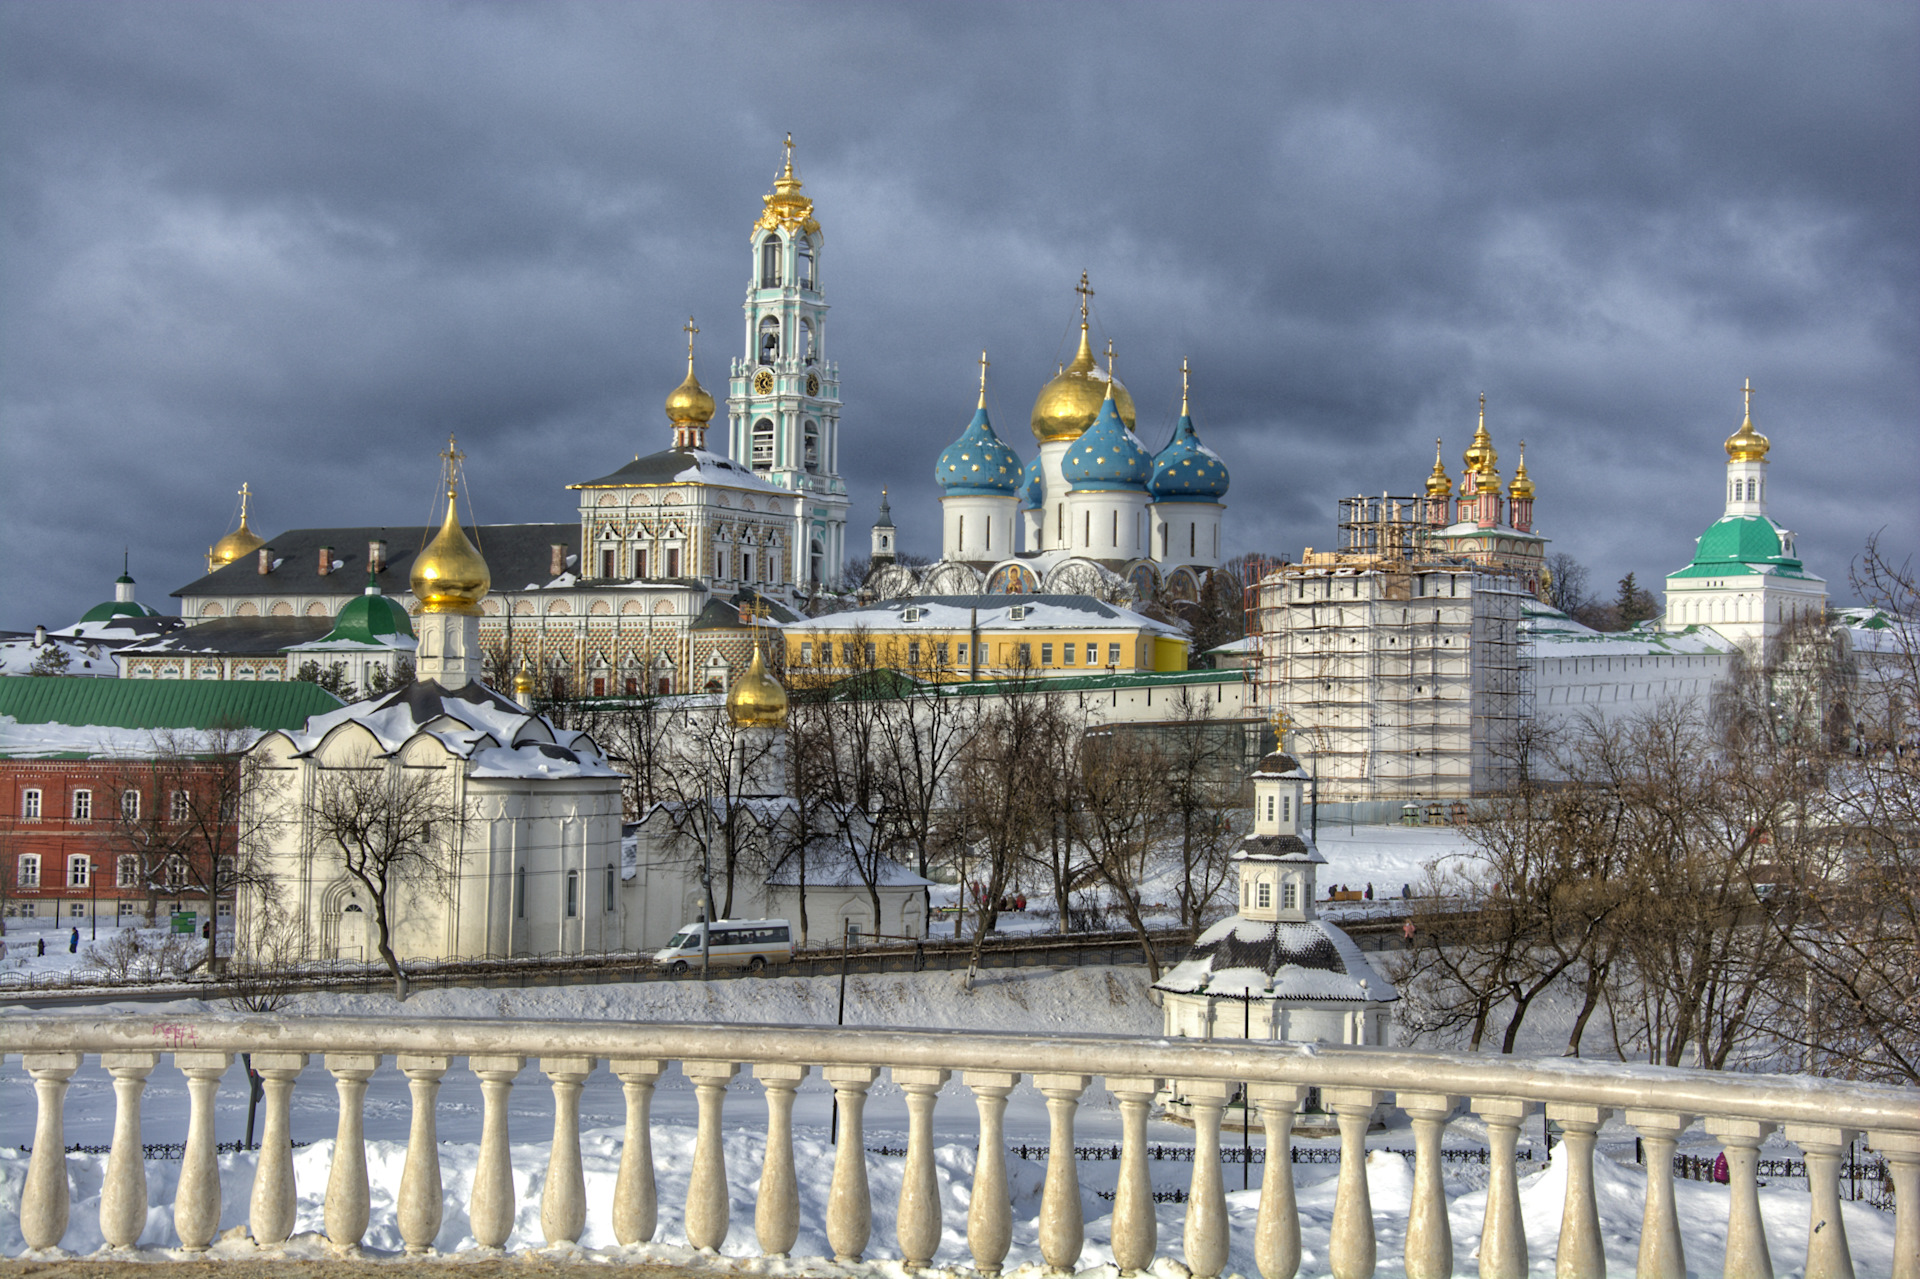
x: 1205, y: 1240
x: 123, y: 1195
x: 419, y: 1206
x: 1351, y: 1250
x: 990, y: 1210
x: 196, y: 1203
x: 1503, y: 1237
x: 636, y: 1211
x: 1902, y: 1150
x: 346, y: 1204
x: 1581, y: 1254
x: 1429, y: 1236
x: 1828, y: 1256
x: 708, y: 1210
x: 776, y: 1209
x: 563, y: 1203
x: 1276, y: 1234
x: 272, y: 1208
x: 46, y: 1194
x: 849, y: 1205
x: 918, y: 1221
x: 1747, y: 1253
x: 1062, y: 1225
x: 491, y: 1206
x: 1135, y: 1228
x: 1662, y: 1254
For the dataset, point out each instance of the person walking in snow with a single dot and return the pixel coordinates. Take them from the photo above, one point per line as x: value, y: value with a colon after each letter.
x: 73, y: 943
x: 43, y: 946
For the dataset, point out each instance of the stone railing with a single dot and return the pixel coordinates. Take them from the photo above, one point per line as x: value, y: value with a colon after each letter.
x: 1740, y: 1111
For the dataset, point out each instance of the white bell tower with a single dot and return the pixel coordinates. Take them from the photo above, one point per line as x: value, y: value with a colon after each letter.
x: 783, y: 402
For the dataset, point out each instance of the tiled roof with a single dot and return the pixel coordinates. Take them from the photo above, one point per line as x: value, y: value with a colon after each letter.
x: 162, y: 703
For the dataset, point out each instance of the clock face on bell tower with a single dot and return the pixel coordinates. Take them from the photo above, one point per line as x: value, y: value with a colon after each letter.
x: 783, y: 406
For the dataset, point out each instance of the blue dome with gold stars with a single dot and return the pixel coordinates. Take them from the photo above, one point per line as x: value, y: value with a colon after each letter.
x: 978, y: 464
x: 1107, y: 457
x: 1033, y: 487
x: 1187, y: 470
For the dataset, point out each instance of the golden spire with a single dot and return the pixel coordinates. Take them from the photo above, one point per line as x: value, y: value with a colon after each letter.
x: 1085, y: 291
x: 1183, y: 387
x: 1522, y: 487
x: 241, y: 542
x: 983, y: 391
x: 786, y: 208
x: 756, y: 699
x: 1747, y: 444
x: 1110, y: 382
x: 689, y: 402
x: 1480, y: 459
x: 1439, y: 483
x: 449, y: 576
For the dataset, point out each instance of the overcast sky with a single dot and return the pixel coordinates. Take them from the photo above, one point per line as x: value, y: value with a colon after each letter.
x: 297, y: 244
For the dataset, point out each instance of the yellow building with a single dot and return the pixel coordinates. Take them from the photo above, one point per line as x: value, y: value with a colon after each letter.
x: 960, y: 637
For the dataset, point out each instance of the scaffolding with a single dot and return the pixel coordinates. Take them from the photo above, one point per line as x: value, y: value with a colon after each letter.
x: 1405, y: 675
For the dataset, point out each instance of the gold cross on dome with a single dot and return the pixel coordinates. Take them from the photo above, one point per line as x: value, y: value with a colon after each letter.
x: 1086, y: 295
x: 983, y: 372
x: 245, y: 494
x: 452, y: 456
x: 1748, y: 391
x: 1183, y: 386
x: 689, y: 329
x: 1109, y: 359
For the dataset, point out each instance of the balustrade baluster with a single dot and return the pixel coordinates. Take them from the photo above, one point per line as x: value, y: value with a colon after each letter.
x: 1747, y: 1255
x: 707, y: 1205
x: 419, y: 1207
x: 1136, y: 1229
x: 1828, y: 1256
x: 636, y: 1211
x: 849, y: 1205
x: 347, y: 1196
x: 271, y: 1211
x: 776, y: 1209
x: 563, y: 1203
x: 196, y: 1202
x: 1062, y: 1223
x: 45, y: 1197
x: 1205, y: 1238
x: 1503, y: 1235
x: 1902, y: 1150
x: 917, y: 1222
x: 491, y: 1207
x: 1429, y: 1235
x: 1662, y: 1254
x: 1581, y: 1254
x: 990, y: 1210
x: 123, y: 1195
x: 1351, y: 1250
x: 1276, y: 1235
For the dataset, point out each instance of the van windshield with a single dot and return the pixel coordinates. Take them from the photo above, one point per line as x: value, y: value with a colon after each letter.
x: 681, y: 941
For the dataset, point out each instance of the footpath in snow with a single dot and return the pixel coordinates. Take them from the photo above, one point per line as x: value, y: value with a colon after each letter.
x: 1090, y: 1000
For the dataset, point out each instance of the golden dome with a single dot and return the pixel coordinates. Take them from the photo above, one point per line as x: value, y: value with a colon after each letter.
x: 238, y: 544
x: 786, y: 208
x: 1069, y: 403
x: 1439, y: 484
x: 1480, y: 456
x: 689, y: 402
x: 523, y: 683
x: 1745, y: 444
x: 449, y: 576
x: 1522, y: 487
x: 757, y: 700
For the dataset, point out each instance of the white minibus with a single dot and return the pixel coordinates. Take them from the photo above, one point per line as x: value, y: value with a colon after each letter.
x: 737, y: 943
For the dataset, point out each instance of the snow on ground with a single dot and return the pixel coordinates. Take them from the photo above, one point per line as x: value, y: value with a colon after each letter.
x: 1094, y: 1000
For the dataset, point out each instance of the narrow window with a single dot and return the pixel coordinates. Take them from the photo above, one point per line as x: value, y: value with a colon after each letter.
x: 639, y: 563
x: 1046, y: 655
x: 520, y: 892
x: 1263, y: 895
x: 130, y: 805
x: 1116, y: 528
x: 869, y: 654
x: 763, y: 445
x: 176, y: 872
x: 806, y: 652
x: 961, y: 538
x: 573, y: 893
x: 1026, y: 655
x: 79, y: 871
x: 1066, y: 654
x: 769, y: 340
x: 989, y: 532
x: 1286, y: 808
x: 606, y: 563
x: 610, y: 885
x: 1113, y: 655
x: 1060, y: 521
x: 673, y: 562
x: 770, y: 262
x: 1086, y: 529
x: 811, y: 447
x: 1289, y: 895
x: 1193, y: 534
x: 805, y: 251
x: 126, y: 871
x: 29, y: 870
x: 182, y: 806
x: 913, y: 652
x: 939, y: 654
x: 30, y: 803
x: 83, y: 806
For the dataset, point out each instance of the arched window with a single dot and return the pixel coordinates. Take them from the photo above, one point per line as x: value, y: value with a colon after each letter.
x: 806, y: 341
x: 763, y: 445
x: 816, y: 562
x: 810, y: 436
x: 769, y: 339
x: 804, y: 250
x: 770, y: 262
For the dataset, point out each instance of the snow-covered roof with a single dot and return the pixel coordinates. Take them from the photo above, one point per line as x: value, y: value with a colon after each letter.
x: 1554, y: 634
x: 17, y: 657
x: 474, y: 723
x: 956, y: 612
x: 1277, y: 848
x: 684, y: 466
x: 833, y: 867
x: 1308, y: 961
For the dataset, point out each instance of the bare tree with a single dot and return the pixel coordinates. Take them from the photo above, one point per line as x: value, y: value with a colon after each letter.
x: 1121, y: 818
x: 396, y: 831
x: 1205, y: 787
x: 1567, y: 583
x: 704, y: 786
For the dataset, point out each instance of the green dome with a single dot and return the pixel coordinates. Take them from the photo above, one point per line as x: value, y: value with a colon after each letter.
x: 1729, y: 545
x: 370, y: 619
x: 117, y: 608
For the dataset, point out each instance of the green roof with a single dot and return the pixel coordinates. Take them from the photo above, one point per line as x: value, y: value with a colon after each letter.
x: 372, y: 618
x: 115, y: 608
x: 80, y: 701
x: 1736, y: 544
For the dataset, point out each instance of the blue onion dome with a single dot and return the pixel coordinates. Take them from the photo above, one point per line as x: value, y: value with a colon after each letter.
x: 1187, y: 470
x: 1107, y: 457
x: 978, y: 463
x: 1033, y: 487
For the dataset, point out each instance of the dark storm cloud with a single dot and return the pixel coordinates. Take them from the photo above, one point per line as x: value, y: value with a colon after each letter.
x: 297, y: 245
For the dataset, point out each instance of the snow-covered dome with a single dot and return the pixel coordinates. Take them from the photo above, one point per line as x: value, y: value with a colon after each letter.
x: 1107, y: 457
x: 1290, y: 960
x: 1187, y: 470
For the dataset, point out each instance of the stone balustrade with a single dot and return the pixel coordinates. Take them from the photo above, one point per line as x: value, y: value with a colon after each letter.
x: 1739, y: 1111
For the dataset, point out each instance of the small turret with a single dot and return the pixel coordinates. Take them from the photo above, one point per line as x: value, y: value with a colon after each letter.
x: 883, y: 549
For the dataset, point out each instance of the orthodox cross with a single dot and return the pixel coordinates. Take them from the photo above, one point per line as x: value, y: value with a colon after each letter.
x: 245, y: 493
x: 1086, y: 295
x: 1183, y: 386
x: 452, y: 456
x: 1749, y: 395
x: 983, y: 385
x: 689, y: 329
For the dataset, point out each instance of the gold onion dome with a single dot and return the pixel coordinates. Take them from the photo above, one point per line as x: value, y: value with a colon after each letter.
x: 1069, y: 403
x: 523, y: 683
x: 1480, y: 455
x: 449, y: 576
x: 1745, y: 444
x: 689, y: 402
x: 238, y: 544
x: 1439, y: 484
x: 786, y: 207
x: 1522, y: 487
x: 757, y: 700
